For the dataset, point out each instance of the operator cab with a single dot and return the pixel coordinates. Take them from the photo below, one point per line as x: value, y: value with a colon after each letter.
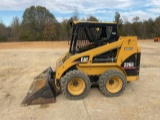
x: 89, y: 35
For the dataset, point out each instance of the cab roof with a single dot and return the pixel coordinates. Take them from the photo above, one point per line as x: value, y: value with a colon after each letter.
x: 95, y: 22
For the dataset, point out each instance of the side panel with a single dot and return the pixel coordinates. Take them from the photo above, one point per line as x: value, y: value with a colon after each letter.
x: 131, y: 65
x: 97, y: 69
x: 74, y: 59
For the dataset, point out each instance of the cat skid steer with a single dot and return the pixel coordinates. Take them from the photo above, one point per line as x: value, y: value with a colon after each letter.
x: 97, y: 55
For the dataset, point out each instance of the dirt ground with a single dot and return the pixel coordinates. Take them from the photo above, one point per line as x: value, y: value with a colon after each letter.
x: 21, y: 62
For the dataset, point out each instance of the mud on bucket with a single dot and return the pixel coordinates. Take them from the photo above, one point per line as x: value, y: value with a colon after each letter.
x: 42, y: 90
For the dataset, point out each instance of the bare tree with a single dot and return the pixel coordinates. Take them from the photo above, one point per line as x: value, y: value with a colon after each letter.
x: 15, y: 30
x: 119, y: 21
x: 75, y: 15
x: 3, y: 32
x: 92, y: 18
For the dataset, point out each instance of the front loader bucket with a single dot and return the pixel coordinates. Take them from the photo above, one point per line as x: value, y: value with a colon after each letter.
x: 42, y: 90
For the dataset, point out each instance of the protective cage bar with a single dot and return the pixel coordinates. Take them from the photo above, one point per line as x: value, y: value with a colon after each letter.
x: 91, y: 35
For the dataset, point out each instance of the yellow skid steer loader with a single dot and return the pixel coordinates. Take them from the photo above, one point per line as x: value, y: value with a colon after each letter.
x: 97, y: 55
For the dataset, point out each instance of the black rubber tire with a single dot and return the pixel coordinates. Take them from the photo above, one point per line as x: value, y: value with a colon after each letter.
x: 107, y: 76
x: 71, y: 75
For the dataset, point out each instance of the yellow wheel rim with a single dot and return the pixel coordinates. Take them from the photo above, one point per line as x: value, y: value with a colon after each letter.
x: 76, y: 86
x: 114, y: 84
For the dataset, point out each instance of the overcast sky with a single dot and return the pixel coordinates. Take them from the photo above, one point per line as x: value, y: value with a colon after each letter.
x: 104, y: 10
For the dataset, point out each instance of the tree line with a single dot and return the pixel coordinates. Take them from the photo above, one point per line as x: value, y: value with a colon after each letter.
x: 38, y: 24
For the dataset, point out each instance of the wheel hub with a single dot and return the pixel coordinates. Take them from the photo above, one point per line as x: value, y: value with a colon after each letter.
x: 114, y: 85
x: 76, y: 86
x: 111, y: 82
x: 75, y: 83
